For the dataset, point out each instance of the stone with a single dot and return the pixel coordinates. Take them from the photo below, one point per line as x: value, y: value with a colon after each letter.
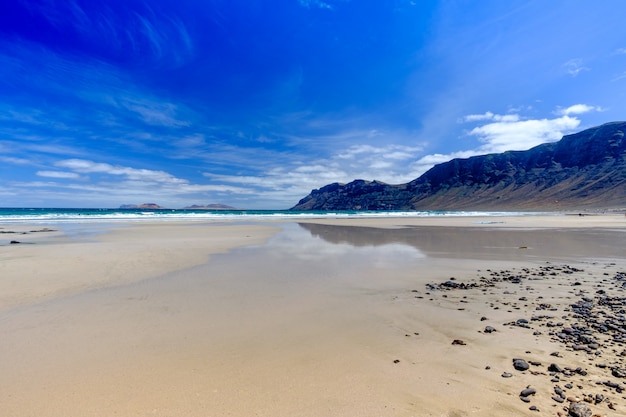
x: 579, y: 410
x: 555, y: 368
x: 520, y: 364
x: 528, y: 391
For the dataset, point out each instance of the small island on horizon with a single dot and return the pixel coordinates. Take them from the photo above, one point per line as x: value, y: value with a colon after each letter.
x: 154, y: 206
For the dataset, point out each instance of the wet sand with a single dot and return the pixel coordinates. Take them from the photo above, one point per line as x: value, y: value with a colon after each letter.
x: 321, y: 318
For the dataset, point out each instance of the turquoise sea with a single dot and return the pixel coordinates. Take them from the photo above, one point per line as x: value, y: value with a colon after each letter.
x: 77, y: 215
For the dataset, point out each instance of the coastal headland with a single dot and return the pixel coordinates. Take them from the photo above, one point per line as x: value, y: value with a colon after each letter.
x: 442, y: 316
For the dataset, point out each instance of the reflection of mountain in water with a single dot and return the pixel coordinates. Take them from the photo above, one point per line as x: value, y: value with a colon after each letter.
x: 482, y: 242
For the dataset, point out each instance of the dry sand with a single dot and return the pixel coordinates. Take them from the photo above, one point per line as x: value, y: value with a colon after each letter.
x: 327, y: 318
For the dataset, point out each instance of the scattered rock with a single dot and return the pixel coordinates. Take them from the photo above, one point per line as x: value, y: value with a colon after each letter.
x: 520, y: 364
x: 579, y: 410
x: 555, y: 368
x: 528, y: 391
x: 589, y: 328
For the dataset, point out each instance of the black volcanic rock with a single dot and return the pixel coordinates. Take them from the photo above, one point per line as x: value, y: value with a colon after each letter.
x: 582, y: 170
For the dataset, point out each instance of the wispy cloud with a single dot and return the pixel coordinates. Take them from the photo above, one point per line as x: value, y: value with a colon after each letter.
x: 288, y: 183
x: 491, y: 116
x: 103, y: 184
x: 575, y: 66
x: 154, y: 112
x: 145, y: 175
x: 315, y: 3
x: 619, y: 77
x: 58, y: 174
x: 577, y: 109
x: 142, y: 30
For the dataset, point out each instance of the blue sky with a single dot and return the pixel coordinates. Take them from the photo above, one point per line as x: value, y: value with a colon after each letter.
x: 253, y: 103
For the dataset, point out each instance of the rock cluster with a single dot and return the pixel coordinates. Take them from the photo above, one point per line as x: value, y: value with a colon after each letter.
x: 592, y: 324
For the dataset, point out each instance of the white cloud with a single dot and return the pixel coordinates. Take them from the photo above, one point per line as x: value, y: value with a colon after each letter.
x: 58, y: 174
x: 507, y: 135
x: 396, y: 152
x: 479, y: 117
x: 15, y: 161
x: 491, y: 116
x: 426, y: 162
x: 500, y: 133
x: 133, y: 174
x: 389, y: 163
x: 577, y: 109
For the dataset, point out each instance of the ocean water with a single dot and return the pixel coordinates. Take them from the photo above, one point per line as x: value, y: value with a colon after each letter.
x: 91, y: 215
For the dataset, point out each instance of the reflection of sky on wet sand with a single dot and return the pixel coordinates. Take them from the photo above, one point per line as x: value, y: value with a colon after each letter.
x: 298, y: 242
x: 480, y: 243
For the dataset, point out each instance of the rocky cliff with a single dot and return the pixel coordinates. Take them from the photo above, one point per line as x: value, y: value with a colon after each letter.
x: 582, y: 170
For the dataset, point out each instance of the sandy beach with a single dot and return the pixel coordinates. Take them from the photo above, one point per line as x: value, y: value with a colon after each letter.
x: 320, y: 317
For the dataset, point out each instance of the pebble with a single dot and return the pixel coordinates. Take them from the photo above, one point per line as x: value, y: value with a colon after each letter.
x: 591, y: 327
x: 579, y: 410
x: 520, y: 364
x: 555, y: 368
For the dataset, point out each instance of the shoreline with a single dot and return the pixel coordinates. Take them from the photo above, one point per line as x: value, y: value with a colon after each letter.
x: 319, y: 317
x: 114, y: 255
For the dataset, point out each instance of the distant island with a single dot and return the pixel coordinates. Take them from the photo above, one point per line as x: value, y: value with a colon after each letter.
x: 149, y: 206
x: 154, y: 206
x: 582, y: 170
x: 210, y: 207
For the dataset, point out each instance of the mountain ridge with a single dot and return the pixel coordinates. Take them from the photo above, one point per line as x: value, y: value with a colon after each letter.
x: 582, y: 170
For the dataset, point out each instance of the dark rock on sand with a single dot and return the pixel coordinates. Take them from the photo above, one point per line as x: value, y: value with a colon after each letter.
x: 528, y: 391
x: 520, y: 364
x: 555, y: 368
